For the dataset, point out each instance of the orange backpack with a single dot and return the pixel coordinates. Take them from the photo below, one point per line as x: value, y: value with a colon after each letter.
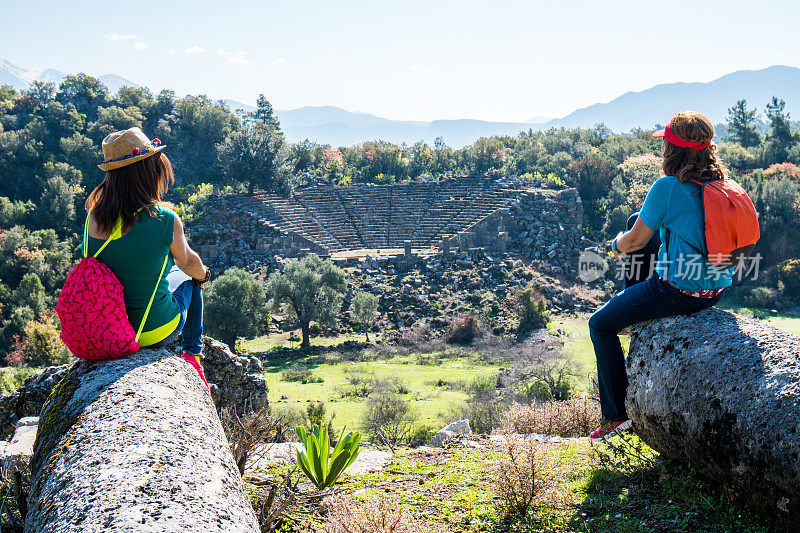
x: 730, y: 222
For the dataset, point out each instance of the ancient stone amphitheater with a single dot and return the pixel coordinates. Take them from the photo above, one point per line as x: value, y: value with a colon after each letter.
x: 455, y: 213
x: 368, y: 216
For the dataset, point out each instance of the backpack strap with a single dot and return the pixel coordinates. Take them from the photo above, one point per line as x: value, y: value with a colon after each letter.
x: 152, y: 296
x: 86, y: 237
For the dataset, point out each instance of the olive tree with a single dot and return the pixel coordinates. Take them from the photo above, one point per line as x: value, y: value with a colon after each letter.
x: 363, y: 310
x: 235, y: 306
x: 312, y: 288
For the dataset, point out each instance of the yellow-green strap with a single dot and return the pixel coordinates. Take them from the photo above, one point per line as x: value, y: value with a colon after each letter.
x: 152, y: 296
x: 86, y: 237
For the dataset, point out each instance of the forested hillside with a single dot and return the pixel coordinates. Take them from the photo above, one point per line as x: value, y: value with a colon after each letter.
x: 50, y: 146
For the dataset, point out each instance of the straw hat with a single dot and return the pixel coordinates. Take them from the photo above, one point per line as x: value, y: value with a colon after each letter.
x: 124, y: 147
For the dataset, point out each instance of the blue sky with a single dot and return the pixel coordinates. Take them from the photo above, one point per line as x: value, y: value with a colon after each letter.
x: 410, y: 60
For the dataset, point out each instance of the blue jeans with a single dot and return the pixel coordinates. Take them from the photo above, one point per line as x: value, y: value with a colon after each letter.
x: 641, y: 301
x: 189, y: 298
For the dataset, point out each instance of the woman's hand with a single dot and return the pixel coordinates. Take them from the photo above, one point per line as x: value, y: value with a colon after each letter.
x: 204, y: 280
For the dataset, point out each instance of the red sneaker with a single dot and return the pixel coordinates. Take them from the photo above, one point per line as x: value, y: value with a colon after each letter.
x: 609, y: 430
x: 194, y: 360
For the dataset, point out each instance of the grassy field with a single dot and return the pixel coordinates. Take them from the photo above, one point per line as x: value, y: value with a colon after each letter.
x: 433, y: 390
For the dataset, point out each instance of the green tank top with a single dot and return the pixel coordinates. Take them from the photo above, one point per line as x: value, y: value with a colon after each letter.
x: 137, y: 259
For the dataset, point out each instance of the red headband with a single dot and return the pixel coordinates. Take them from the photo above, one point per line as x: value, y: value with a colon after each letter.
x: 670, y: 135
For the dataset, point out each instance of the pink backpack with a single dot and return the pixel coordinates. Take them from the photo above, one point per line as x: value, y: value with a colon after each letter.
x: 91, y: 307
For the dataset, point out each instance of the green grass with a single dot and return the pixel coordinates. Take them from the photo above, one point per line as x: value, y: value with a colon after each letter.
x: 457, y: 489
x: 427, y: 399
x: 788, y: 321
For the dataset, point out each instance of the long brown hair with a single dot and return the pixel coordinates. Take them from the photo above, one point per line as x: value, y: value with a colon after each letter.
x: 688, y: 163
x: 127, y: 189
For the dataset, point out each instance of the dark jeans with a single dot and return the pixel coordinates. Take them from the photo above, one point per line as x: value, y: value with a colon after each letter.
x: 640, y: 301
x: 189, y: 298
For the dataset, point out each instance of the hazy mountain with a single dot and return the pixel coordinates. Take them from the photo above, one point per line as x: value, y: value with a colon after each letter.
x: 657, y: 104
x: 336, y: 126
x: 20, y: 78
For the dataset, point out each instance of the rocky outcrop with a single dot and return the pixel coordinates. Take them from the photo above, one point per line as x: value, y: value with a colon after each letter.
x: 237, y: 382
x: 134, y: 444
x: 721, y: 392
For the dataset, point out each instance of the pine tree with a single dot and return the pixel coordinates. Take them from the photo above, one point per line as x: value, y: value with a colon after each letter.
x: 264, y: 114
x: 741, y: 125
x: 781, y: 137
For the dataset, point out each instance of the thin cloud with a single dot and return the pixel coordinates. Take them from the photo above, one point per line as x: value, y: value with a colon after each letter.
x: 139, y: 46
x: 172, y: 51
x: 195, y: 50
x: 280, y: 60
x: 239, y: 58
x: 413, y: 68
x: 121, y: 37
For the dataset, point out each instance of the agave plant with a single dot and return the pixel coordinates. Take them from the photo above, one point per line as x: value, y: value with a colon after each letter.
x: 316, y: 460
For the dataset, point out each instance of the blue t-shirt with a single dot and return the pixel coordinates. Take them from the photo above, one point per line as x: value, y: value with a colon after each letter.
x: 672, y: 204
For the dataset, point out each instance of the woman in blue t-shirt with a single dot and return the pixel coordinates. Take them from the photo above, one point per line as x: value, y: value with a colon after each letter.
x: 669, y: 225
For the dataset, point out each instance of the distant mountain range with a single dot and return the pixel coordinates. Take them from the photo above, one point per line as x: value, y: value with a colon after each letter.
x: 19, y: 78
x: 336, y: 126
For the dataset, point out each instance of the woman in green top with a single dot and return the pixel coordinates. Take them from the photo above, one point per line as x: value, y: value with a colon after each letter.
x: 148, y: 251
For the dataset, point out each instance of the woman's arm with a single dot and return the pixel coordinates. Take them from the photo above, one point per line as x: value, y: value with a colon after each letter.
x: 186, y: 258
x: 633, y: 239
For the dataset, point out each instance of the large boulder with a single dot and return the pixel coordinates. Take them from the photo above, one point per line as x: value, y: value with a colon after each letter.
x: 722, y: 393
x: 134, y: 444
x: 237, y: 382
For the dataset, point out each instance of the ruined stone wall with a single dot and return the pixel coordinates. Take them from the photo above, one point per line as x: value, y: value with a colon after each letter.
x: 549, y: 228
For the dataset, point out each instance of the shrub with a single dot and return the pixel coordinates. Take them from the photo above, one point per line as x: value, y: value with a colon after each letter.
x: 245, y: 432
x: 16, y: 356
x: 575, y: 417
x: 484, y: 408
x: 789, y: 274
x: 43, y: 344
x: 410, y: 336
x: 314, y: 415
x: 420, y: 436
x: 12, y: 379
x: 463, y: 330
x: 764, y: 297
x: 484, y: 417
x: 300, y: 373
x: 517, y: 478
x: 387, y: 418
x: 347, y: 514
x: 359, y: 382
x: 532, y: 311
